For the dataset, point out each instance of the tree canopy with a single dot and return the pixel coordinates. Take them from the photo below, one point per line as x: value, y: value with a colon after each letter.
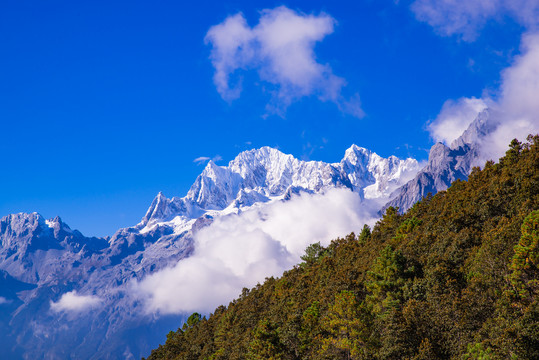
x: 456, y: 277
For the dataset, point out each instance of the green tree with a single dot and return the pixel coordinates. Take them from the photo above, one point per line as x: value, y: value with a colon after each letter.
x: 347, y: 332
x: 525, y: 262
x: 192, y: 321
x: 265, y: 344
x: 365, y: 233
x: 478, y: 352
x: 313, y: 253
x: 386, y: 280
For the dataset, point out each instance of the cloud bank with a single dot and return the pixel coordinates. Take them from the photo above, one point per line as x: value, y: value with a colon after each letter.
x: 514, y: 107
x: 281, y: 49
x: 73, y: 302
x: 513, y: 111
x: 241, y: 250
x: 516, y: 111
x: 466, y: 18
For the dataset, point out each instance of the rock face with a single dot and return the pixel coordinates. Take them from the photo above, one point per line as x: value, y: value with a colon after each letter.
x: 64, y: 295
x: 446, y: 164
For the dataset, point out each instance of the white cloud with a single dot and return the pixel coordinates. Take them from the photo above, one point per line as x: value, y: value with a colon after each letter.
x: 454, y: 118
x: 240, y: 250
x: 466, y: 18
x: 514, y: 108
x: 72, y: 302
x: 202, y: 159
x: 3, y: 300
x: 513, y: 112
x: 281, y: 49
x: 516, y: 111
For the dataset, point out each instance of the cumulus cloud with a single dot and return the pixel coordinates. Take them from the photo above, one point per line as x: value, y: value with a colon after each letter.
x: 239, y: 251
x: 3, y: 300
x: 466, y: 18
x: 514, y: 107
x: 516, y: 111
x: 73, y: 302
x: 513, y: 111
x: 454, y: 118
x: 281, y: 49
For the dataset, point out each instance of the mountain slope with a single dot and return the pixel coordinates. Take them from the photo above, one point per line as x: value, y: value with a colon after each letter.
x: 70, y: 296
x: 454, y: 277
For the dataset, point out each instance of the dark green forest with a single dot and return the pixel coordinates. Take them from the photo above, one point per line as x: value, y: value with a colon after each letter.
x: 455, y: 277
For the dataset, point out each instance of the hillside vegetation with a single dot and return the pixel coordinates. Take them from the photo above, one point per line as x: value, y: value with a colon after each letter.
x: 456, y: 277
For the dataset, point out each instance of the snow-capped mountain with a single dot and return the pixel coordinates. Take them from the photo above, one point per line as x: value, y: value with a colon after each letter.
x: 64, y: 295
x: 266, y: 174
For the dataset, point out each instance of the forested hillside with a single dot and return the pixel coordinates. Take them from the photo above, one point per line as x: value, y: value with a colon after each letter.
x: 456, y: 277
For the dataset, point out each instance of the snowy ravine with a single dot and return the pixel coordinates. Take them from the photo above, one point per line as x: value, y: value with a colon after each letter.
x: 64, y: 295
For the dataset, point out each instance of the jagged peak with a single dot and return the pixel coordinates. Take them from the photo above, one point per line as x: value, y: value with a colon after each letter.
x: 438, y: 148
x: 264, y: 153
x: 21, y: 217
x: 34, y: 218
x: 477, y: 129
x: 269, y: 172
x: 355, y: 154
x: 157, y: 204
x: 356, y: 148
x: 212, y: 169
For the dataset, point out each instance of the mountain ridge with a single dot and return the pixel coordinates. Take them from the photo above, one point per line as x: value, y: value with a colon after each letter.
x: 56, y: 261
x: 454, y: 277
x: 265, y: 174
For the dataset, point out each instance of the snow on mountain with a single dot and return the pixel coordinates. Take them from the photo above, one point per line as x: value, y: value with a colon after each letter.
x: 266, y: 174
x: 373, y: 176
x: 55, y: 271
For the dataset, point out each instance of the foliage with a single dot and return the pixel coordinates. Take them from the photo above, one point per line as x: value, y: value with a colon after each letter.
x: 313, y: 253
x: 346, y: 327
x: 525, y: 262
x: 455, y: 277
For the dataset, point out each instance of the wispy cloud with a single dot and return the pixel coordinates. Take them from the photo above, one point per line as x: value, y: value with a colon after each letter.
x: 467, y: 18
x: 73, y: 302
x: 203, y: 159
x: 240, y: 250
x: 281, y: 49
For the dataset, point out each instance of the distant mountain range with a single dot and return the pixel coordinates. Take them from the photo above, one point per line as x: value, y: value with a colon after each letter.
x: 43, y: 260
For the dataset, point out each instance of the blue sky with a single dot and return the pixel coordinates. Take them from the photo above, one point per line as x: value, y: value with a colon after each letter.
x: 105, y: 103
